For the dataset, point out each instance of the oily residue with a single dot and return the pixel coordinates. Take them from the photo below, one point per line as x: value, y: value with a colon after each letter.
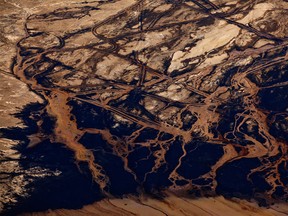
x: 130, y: 102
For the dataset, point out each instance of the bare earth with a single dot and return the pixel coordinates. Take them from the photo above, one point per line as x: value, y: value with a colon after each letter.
x: 129, y: 100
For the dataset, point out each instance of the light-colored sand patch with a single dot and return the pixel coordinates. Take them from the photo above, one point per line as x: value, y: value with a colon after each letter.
x: 112, y: 68
x: 56, y: 26
x: 262, y: 42
x: 257, y: 13
x: 213, y: 60
x: 151, y: 38
x: 14, y: 95
x: 163, y: 7
x: 175, y: 92
x: 217, y: 37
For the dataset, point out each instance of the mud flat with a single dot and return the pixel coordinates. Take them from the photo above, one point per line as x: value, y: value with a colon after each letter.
x: 171, y: 205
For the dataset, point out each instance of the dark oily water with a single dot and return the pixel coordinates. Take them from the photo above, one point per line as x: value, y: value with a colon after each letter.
x: 149, y: 96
